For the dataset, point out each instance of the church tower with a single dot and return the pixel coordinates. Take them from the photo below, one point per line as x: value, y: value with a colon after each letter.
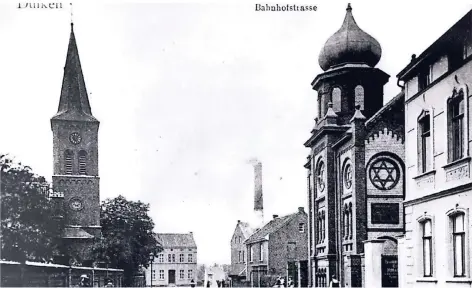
x: 341, y: 177
x: 75, y: 153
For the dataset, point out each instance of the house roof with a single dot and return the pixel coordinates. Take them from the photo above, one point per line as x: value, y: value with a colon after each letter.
x: 169, y: 240
x: 443, y: 41
x: 246, y: 229
x: 271, y: 227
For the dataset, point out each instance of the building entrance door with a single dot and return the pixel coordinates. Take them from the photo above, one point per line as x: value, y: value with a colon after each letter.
x: 171, y: 276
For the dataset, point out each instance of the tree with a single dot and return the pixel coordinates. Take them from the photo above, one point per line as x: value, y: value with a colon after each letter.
x: 29, y: 230
x: 128, y: 239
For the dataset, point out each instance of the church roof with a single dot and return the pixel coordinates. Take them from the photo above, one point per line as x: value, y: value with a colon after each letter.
x: 400, y: 97
x: 170, y: 240
x: 350, y: 44
x: 74, y: 103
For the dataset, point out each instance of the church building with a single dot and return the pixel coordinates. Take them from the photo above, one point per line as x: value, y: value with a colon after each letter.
x: 75, y: 153
x: 355, y: 166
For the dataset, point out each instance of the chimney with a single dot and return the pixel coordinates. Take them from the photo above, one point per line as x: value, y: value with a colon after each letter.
x: 275, y: 216
x: 301, y: 209
x: 258, y: 196
x: 191, y: 233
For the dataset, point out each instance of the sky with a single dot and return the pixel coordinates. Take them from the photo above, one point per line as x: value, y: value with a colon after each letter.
x: 187, y: 92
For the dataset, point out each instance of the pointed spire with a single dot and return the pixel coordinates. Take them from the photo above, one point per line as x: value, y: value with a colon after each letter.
x: 331, y: 116
x: 330, y: 112
x: 349, y: 8
x: 74, y: 103
x: 358, y: 115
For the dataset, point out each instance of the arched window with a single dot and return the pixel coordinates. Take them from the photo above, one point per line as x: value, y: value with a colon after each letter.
x: 459, y: 243
x: 323, y: 225
x: 427, y: 237
x: 346, y: 221
x: 350, y: 220
x: 424, y: 142
x: 456, y: 109
x: 68, y: 160
x: 359, y: 96
x: 82, y: 162
x: 320, y: 177
x: 336, y: 99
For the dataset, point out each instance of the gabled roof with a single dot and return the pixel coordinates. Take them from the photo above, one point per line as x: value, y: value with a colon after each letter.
x: 74, y: 103
x: 445, y: 40
x: 398, y: 99
x: 169, y: 240
x: 246, y: 229
x: 273, y: 226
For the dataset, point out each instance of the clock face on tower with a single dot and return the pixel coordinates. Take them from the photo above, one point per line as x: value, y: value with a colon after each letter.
x: 76, y: 204
x: 75, y: 138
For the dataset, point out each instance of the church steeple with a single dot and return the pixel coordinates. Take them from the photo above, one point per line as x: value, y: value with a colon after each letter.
x: 74, y: 104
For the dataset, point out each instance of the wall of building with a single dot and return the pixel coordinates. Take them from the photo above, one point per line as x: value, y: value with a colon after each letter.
x: 237, y: 248
x: 434, y: 99
x: 437, y: 210
x: 165, y: 266
x: 279, y: 241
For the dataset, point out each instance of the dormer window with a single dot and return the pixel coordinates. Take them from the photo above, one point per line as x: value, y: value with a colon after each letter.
x: 424, y: 78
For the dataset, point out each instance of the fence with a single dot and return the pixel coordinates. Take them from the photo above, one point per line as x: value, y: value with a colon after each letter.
x: 32, y: 274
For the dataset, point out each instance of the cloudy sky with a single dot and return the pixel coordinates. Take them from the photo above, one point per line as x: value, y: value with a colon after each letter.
x: 187, y: 92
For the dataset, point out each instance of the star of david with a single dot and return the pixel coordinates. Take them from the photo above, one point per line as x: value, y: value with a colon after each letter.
x: 384, y: 174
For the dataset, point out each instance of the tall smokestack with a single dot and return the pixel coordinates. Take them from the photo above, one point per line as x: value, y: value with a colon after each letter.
x: 258, y: 196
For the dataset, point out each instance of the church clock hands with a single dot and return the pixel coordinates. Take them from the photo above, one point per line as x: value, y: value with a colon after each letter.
x: 75, y: 138
x: 76, y: 204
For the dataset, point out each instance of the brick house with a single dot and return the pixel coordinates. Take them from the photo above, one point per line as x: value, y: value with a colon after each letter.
x: 176, y: 264
x: 241, y: 233
x: 279, y: 248
x: 355, y: 169
x: 436, y: 249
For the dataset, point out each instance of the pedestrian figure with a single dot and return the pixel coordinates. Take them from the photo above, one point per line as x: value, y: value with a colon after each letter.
x: 277, y: 283
x: 334, y: 282
x: 208, y: 283
x: 192, y: 283
x: 84, y: 281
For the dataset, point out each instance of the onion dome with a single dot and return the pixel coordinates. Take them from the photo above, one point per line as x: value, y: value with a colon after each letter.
x: 350, y: 45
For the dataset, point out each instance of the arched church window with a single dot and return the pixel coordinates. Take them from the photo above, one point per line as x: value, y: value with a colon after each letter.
x: 336, y: 99
x: 346, y: 221
x: 350, y: 220
x: 82, y: 162
x: 347, y: 177
x: 68, y: 159
x: 359, y: 96
x: 320, y: 179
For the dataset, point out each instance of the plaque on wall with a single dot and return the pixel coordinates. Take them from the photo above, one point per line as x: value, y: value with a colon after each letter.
x: 385, y: 213
x: 389, y: 268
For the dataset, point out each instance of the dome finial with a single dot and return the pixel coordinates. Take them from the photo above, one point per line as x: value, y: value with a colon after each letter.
x: 350, y: 44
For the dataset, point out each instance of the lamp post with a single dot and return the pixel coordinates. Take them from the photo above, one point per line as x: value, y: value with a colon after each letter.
x: 151, y: 257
